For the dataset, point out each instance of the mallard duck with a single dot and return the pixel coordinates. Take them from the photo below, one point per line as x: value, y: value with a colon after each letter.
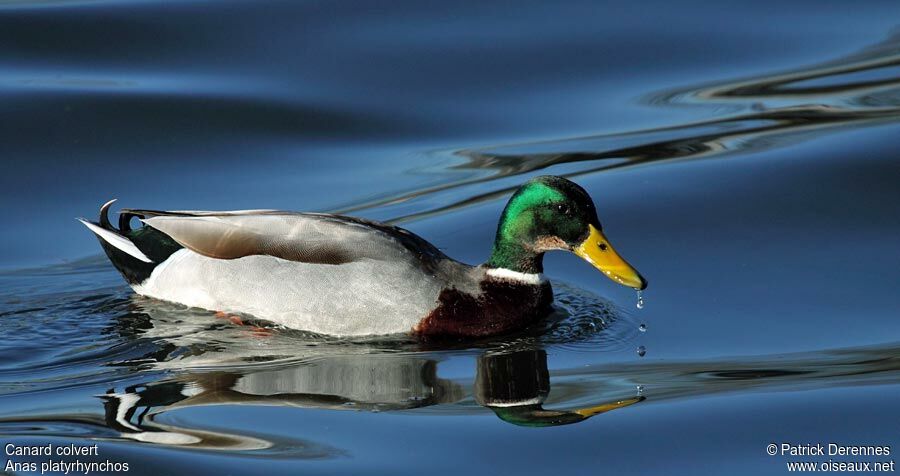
x: 347, y: 276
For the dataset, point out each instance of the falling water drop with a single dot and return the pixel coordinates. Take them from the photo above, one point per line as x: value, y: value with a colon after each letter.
x: 641, y: 351
x: 640, y: 295
x: 642, y: 327
x: 640, y: 389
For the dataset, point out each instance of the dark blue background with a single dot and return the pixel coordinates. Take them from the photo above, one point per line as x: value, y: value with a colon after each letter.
x: 743, y: 156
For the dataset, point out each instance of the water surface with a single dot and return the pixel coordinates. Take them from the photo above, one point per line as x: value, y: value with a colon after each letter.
x: 742, y: 157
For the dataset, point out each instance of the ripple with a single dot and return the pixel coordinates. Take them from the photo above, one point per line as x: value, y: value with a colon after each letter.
x: 754, y: 114
x: 81, y: 427
x: 158, y: 360
x: 69, y: 339
x: 514, y: 384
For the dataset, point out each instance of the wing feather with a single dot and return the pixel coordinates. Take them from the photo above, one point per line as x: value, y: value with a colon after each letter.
x: 304, y: 237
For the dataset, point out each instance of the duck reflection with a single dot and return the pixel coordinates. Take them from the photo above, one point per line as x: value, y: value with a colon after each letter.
x: 513, y: 385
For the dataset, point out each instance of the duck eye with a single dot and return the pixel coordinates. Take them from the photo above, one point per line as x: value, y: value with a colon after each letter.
x: 563, y: 208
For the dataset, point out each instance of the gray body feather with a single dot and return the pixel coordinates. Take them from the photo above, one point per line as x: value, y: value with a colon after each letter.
x: 321, y: 273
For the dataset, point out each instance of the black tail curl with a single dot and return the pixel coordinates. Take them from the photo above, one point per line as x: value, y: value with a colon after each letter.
x: 125, y: 216
x: 154, y: 244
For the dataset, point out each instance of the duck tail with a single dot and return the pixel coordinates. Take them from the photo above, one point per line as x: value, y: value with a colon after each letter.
x: 122, y: 245
x: 113, y: 237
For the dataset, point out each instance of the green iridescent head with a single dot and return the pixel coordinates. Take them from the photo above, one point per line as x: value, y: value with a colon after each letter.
x: 552, y: 213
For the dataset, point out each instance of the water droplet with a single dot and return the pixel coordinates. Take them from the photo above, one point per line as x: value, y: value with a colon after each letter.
x: 640, y: 295
x: 641, y: 351
x: 642, y: 327
x: 640, y: 389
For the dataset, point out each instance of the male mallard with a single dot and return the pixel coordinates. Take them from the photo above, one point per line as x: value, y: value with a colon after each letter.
x: 341, y: 275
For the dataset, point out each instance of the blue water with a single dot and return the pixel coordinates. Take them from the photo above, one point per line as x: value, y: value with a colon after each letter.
x: 742, y: 155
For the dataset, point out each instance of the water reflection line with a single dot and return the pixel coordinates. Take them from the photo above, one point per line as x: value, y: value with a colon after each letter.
x: 663, y: 381
x: 838, y: 105
x: 793, y: 121
x: 515, y: 385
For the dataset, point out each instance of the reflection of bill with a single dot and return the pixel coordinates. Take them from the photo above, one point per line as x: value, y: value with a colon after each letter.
x: 513, y: 385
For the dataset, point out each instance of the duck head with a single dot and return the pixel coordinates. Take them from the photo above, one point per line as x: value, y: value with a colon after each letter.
x: 552, y: 213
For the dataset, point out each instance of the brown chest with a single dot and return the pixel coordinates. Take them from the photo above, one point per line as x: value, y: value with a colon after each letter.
x: 501, y: 306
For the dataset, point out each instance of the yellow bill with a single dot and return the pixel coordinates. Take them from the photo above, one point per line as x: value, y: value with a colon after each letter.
x: 597, y: 251
x: 589, y: 412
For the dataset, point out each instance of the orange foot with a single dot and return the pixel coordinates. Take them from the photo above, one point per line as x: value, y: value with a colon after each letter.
x: 234, y: 319
x: 260, y: 332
